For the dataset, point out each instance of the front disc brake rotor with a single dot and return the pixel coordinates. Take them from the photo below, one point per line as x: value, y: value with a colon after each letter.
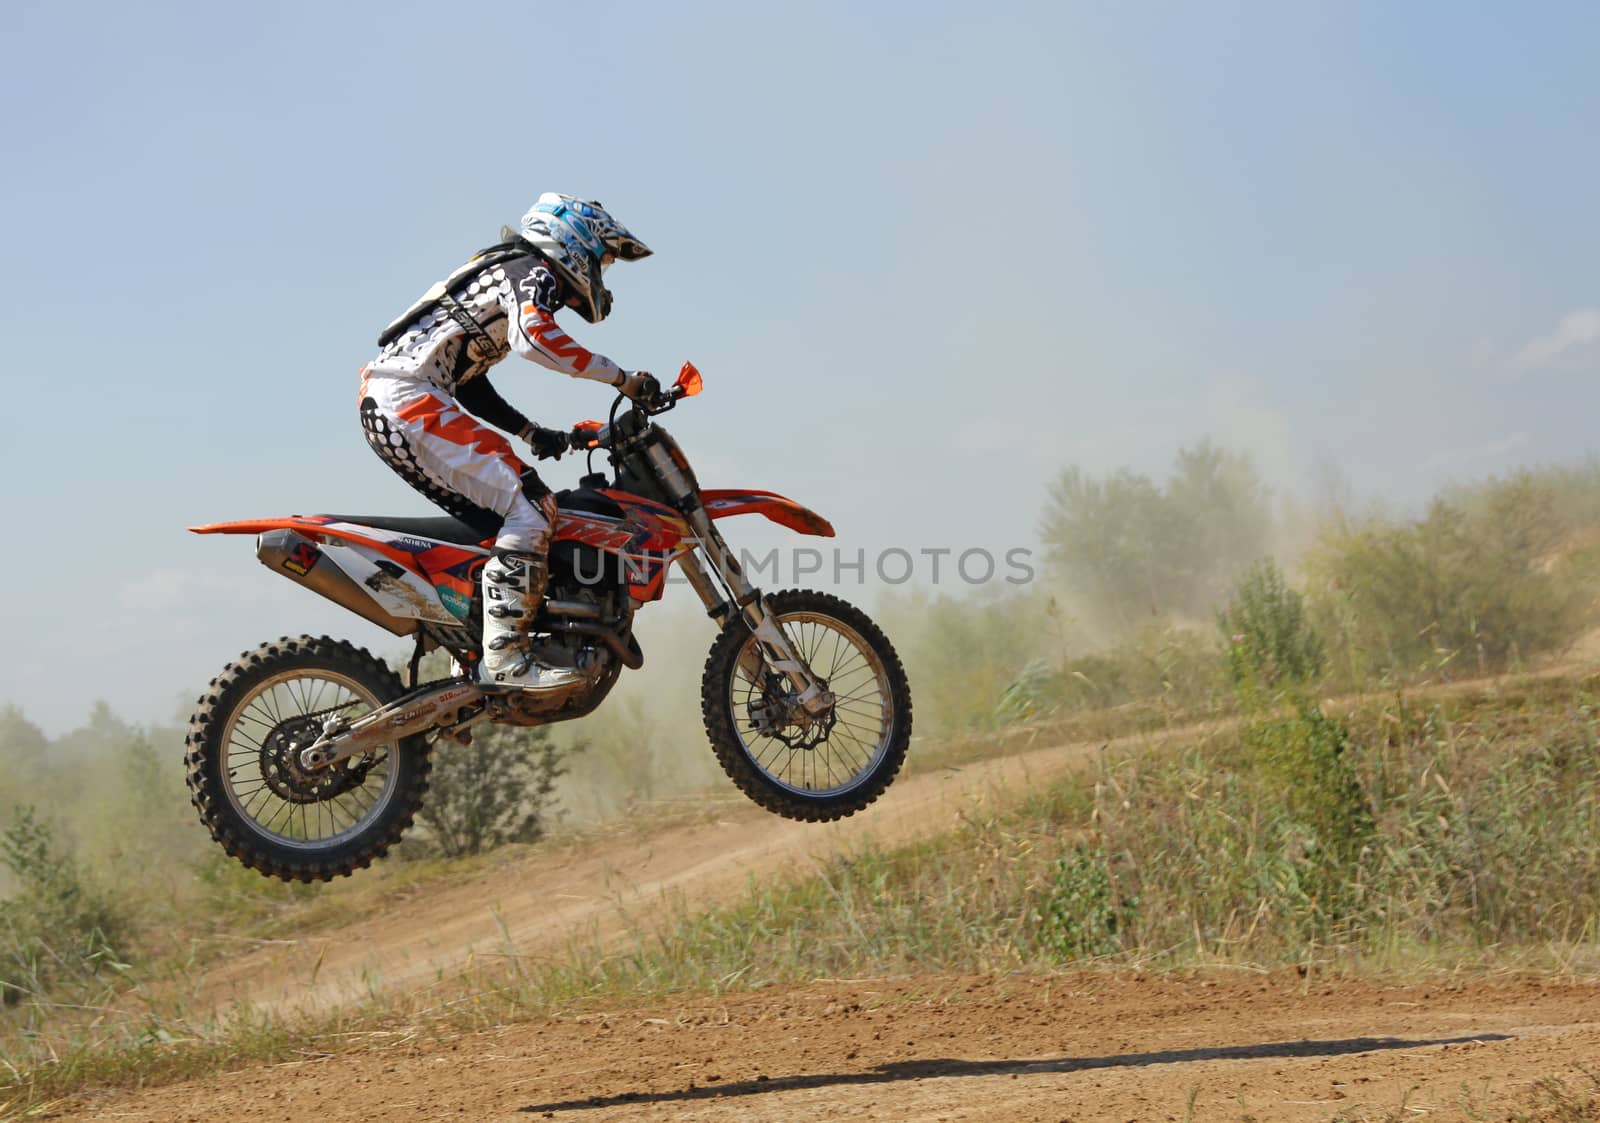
x: 780, y: 715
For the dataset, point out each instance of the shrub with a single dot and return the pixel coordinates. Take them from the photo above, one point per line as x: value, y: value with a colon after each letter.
x: 1324, y: 821
x: 56, y: 931
x: 1176, y: 666
x: 962, y: 652
x: 1480, y: 581
x: 1132, y: 550
x: 1079, y: 914
x: 494, y: 791
x: 1397, y: 830
x: 1262, y: 837
x: 1270, y: 640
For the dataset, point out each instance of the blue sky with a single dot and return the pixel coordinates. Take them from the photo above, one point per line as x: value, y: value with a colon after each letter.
x: 924, y: 253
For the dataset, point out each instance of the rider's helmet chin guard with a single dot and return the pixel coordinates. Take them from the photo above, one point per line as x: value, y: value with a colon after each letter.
x: 579, y: 239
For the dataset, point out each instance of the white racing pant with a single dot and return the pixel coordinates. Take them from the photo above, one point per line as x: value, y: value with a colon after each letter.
x: 464, y: 467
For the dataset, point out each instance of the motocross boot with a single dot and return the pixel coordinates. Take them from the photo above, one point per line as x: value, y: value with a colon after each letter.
x: 513, y: 589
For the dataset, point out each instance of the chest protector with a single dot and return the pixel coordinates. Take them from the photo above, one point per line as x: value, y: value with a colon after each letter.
x: 481, y: 347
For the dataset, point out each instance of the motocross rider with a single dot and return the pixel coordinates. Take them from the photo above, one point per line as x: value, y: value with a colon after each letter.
x: 421, y: 395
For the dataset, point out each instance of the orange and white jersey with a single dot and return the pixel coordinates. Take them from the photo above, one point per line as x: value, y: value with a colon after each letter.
x: 513, y: 302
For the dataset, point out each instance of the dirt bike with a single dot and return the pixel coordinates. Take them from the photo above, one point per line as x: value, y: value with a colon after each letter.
x: 308, y: 758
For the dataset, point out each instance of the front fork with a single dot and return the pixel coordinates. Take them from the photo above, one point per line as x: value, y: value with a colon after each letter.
x: 774, y: 646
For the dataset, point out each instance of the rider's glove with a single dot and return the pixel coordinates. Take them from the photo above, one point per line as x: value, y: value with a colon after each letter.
x: 547, y: 444
x: 641, y: 385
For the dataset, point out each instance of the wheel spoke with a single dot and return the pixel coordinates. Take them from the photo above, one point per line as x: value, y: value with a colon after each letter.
x: 777, y: 747
x: 239, y: 733
x: 837, y: 675
x: 851, y: 697
x: 817, y: 636
x: 833, y: 657
x: 266, y: 798
x: 269, y: 702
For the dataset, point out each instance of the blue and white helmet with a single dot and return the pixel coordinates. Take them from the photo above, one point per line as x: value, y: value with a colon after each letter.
x: 579, y: 239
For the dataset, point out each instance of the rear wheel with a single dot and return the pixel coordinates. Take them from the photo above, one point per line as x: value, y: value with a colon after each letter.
x: 244, y: 772
x: 812, y: 769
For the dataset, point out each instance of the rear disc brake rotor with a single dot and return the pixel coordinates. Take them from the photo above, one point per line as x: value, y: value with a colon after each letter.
x: 281, y: 770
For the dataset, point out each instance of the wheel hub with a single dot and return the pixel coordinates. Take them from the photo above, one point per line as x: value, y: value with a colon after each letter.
x: 288, y: 780
x: 780, y: 714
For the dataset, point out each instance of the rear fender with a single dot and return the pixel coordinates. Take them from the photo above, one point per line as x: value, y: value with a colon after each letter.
x: 391, y: 575
x: 720, y: 504
x: 320, y: 528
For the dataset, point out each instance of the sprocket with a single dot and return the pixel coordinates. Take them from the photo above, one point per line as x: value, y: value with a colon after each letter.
x: 283, y: 774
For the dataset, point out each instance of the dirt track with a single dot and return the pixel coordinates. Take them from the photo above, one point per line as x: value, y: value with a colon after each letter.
x: 1078, y: 1047
x: 602, y: 887
x: 599, y: 888
x: 1083, y: 1046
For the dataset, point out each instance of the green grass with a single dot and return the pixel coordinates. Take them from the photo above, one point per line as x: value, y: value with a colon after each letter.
x: 1401, y: 835
x: 1570, y: 1097
x: 1405, y: 834
x: 1563, y: 1099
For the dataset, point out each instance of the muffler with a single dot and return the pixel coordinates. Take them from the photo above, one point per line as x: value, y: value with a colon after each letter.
x: 296, y: 557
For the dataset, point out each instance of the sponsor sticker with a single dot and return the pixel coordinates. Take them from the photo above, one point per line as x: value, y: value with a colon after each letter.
x: 459, y: 606
x: 303, y: 559
x: 409, y: 716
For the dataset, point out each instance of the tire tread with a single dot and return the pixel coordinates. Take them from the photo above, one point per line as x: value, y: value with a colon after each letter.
x: 203, y: 757
x: 725, y: 741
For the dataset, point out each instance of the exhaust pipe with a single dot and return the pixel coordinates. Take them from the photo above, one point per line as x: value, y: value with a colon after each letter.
x: 629, y: 654
x: 295, y: 556
x: 576, y: 609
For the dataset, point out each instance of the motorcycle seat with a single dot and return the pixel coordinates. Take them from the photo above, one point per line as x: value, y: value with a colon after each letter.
x: 442, y: 528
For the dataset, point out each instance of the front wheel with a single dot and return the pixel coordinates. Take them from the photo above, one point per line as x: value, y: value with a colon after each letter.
x: 811, y: 769
x: 243, y: 759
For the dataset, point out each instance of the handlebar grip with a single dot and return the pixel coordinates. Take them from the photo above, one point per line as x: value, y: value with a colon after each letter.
x: 585, y: 434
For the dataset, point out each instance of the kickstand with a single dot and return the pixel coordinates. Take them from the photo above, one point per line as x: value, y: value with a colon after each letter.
x: 416, y: 660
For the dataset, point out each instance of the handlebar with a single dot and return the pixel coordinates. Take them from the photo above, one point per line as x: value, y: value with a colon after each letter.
x: 594, y: 434
x: 597, y: 434
x: 671, y: 398
x: 654, y: 400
